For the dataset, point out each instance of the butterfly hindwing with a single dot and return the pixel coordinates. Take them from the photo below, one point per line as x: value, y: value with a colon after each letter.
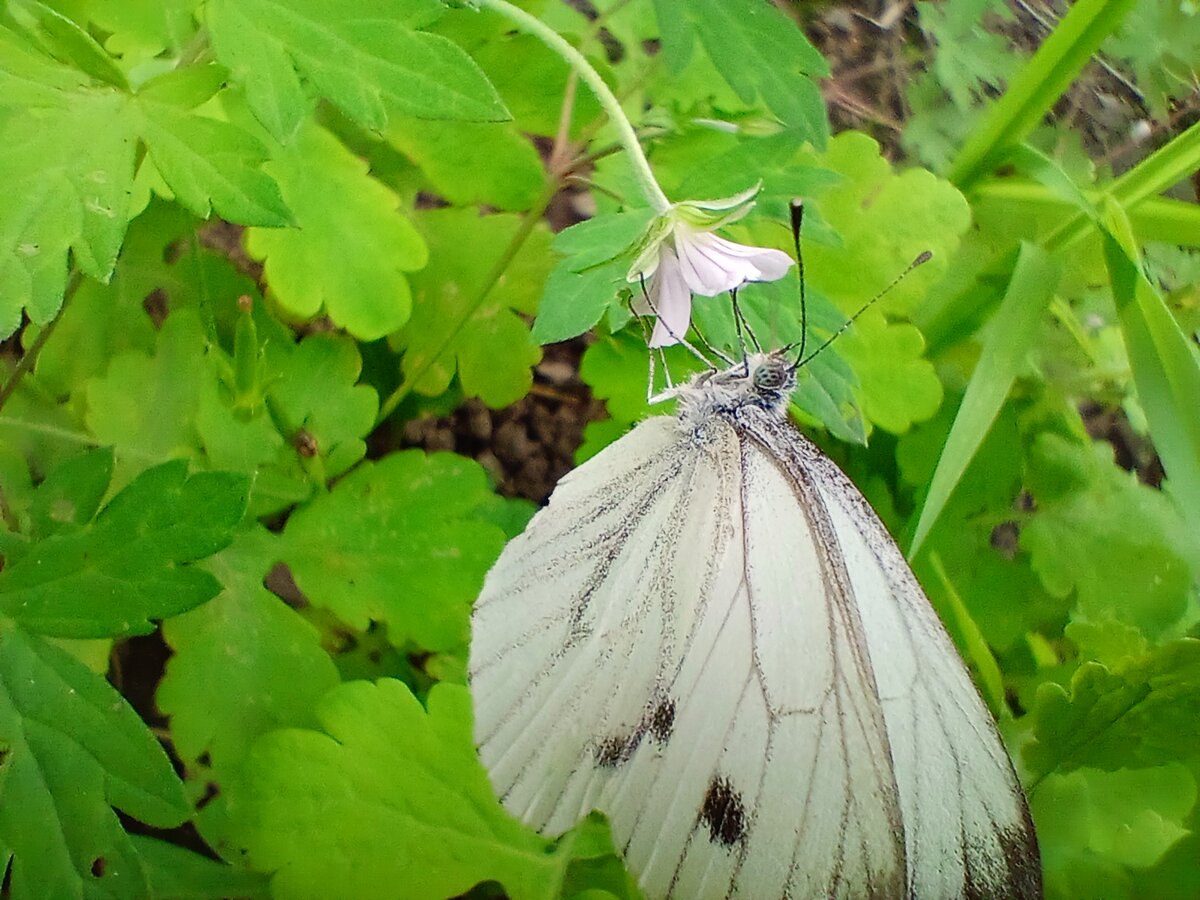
x: 967, y: 827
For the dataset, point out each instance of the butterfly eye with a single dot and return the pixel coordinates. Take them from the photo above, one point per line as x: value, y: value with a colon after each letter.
x: 768, y: 378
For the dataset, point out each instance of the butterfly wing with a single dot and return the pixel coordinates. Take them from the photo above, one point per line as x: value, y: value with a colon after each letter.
x: 659, y: 644
x: 966, y: 823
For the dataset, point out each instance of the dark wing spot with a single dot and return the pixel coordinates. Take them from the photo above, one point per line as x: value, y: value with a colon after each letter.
x: 662, y: 721
x: 723, y: 812
x: 613, y: 751
x: 658, y: 722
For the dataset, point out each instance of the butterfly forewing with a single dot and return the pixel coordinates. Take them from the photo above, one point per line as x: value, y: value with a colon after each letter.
x: 709, y: 636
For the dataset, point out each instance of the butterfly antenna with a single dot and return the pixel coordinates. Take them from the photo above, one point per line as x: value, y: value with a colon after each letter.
x: 677, y: 338
x: 742, y: 325
x: 709, y: 347
x: 797, y: 210
x: 922, y: 258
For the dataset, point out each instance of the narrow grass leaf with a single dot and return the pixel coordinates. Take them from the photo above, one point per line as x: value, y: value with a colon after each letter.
x: 1011, y: 333
x: 1166, y: 370
x: 1037, y: 87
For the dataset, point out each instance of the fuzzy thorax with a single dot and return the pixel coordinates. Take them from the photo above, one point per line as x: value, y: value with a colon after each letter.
x: 764, y: 383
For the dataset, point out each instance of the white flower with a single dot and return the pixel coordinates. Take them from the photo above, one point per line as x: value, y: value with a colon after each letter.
x: 681, y: 256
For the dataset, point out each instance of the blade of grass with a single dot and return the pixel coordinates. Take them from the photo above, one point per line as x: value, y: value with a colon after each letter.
x: 1166, y: 367
x: 1037, y: 87
x: 973, y: 643
x: 1009, y: 337
x: 1155, y: 219
x: 1166, y: 166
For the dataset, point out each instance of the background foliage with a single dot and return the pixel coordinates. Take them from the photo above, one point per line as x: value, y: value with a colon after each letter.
x: 202, y: 430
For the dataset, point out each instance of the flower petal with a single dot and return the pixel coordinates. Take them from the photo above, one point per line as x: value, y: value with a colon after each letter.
x: 729, y: 202
x: 708, y: 267
x: 771, y: 264
x: 671, y: 301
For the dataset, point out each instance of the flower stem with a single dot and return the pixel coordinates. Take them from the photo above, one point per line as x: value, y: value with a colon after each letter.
x: 641, y: 166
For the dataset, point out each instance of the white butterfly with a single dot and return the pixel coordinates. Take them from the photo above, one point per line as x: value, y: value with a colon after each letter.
x: 708, y: 635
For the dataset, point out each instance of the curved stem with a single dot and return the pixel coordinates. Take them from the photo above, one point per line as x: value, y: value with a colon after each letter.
x: 30, y: 356
x: 641, y: 166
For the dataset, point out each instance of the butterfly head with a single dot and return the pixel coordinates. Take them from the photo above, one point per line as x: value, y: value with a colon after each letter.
x: 772, y: 378
x: 764, y: 381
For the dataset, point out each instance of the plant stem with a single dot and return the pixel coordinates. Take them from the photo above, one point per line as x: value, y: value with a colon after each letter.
x: 641, y: 166
x: 528, y: 222
x: 25, y: 363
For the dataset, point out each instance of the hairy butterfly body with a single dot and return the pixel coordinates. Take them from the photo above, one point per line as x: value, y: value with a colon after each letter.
x: 708, y: 635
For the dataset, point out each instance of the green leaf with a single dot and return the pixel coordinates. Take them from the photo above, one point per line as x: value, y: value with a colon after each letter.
x: 63, y: 194
x: 132, y: 564
x: 103, y: 321
x: 210, y: 165
x: 388, y: 794
x: 186, y: 88
x: 260, y: 62
x: 72, y: 749
x: 267, y: 659
x: 369, y: 63
x: 145, y: 405
x: 1008, y: 339
x: 1138, y: 715
x: 530, y: 77
x: 350, y: 245
x: 179, y: 874
x: 734, y: 31
x: 405, y: 541
x: 65, y: 40
x: 466, y: 313
x: 468, y: 163
x: 318, y: 391
x: 140, y: 30
x: 573, y: 302
x: 1092, y: 825
x: 1121, y: 547
x: 71, y: 493
x: 601, y: 238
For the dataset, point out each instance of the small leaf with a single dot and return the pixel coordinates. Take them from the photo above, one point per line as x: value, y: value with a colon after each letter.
x: 466, y: 314
x: 573, y: 302
x: 1099, y: 831
x: 210, y: 165
x: 72, y: 749
x: 71, y: 494
x: 1140, y: 714
x: 132, y: 564
x: 406, y: 541
x: 389, y: 794
x: 350, y: 245
x: 368, y: 63
x: 601, y: 238
x: 1121, y: 547
x: 145, y: 405
x: 267, y: 660
x: 733, y: 31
